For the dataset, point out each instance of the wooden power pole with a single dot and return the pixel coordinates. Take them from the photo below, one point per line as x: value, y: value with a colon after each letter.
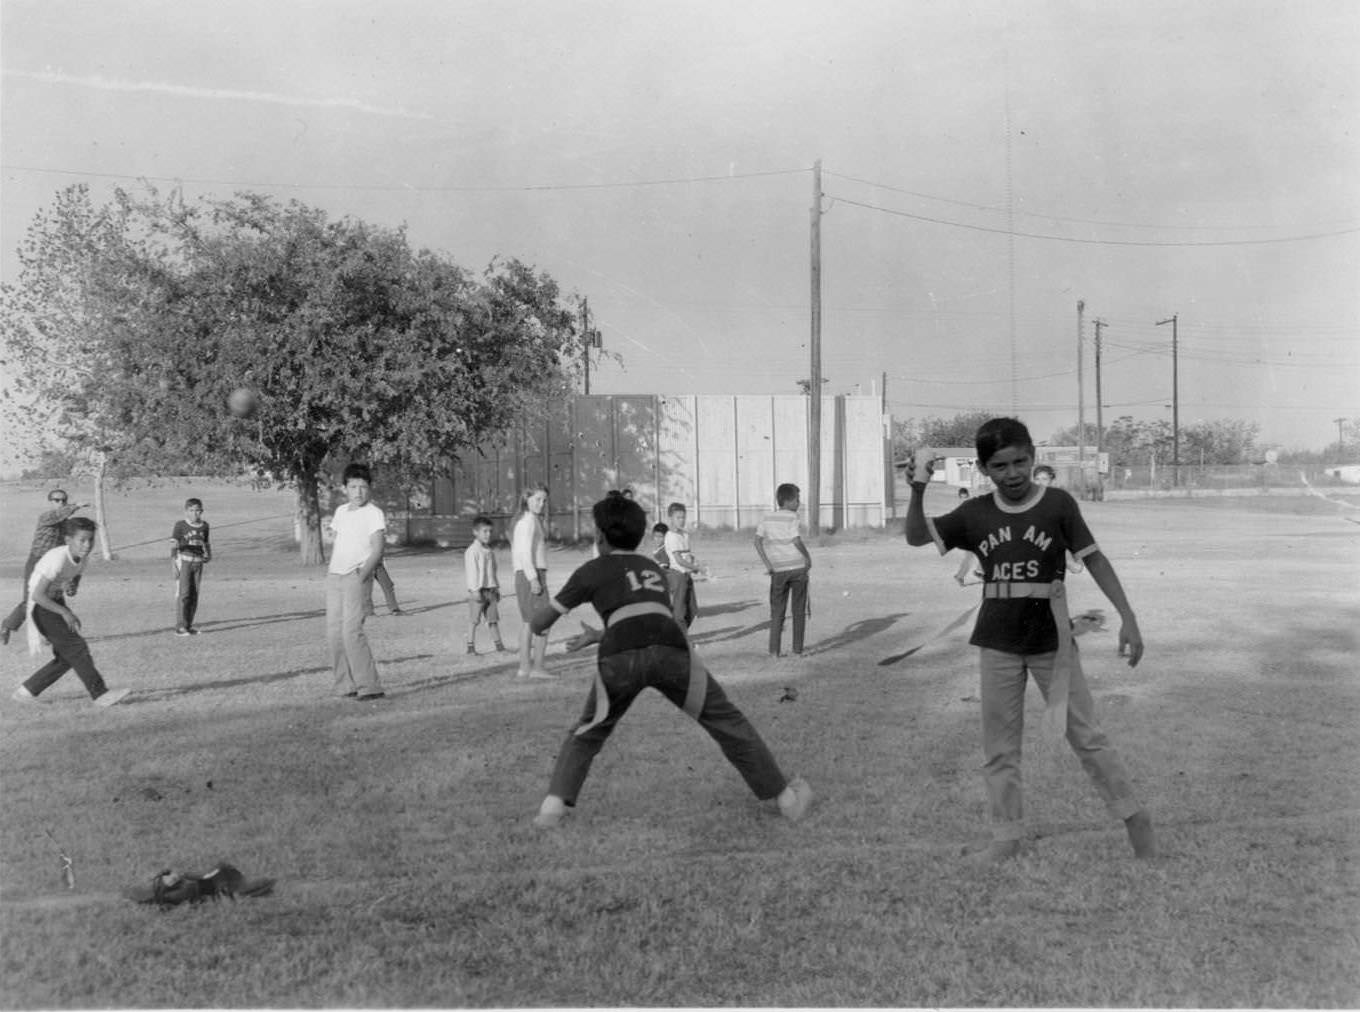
x: 814, y: 492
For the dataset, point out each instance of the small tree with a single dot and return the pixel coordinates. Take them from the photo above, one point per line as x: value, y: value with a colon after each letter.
x: 356, y: 345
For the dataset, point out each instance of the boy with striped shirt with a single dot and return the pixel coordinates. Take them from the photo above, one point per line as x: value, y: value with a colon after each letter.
x: 780, y: 546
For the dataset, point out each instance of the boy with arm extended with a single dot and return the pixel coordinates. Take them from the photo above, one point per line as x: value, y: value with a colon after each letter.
x: 642, y: 646
x: 780, y: 546
x: 50, y: 618
x: 360, y: 539
x: 1021, y: 535
x: 483, y: 585
x: 190, y: 549
x: 47, y: 535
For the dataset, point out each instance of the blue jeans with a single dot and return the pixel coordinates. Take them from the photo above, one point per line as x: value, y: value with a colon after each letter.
x: 620, y: 678
x: 355, y: 669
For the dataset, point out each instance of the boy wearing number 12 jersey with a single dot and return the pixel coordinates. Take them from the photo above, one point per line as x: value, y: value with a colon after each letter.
x: 642, y: 646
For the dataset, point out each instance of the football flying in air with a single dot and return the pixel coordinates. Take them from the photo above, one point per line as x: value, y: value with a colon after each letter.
x: 242, y: 402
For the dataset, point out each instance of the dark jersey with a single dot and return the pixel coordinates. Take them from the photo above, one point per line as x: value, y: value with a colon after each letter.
x: 618, y: 579
x: 190, y: 539
x: 1022, y: 543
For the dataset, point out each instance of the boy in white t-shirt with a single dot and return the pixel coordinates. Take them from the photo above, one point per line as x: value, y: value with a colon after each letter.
x: 779, y: 543
x: 360, y: 537
x: 53, y: 580
x: 483, y: 585
x: 681, y: 568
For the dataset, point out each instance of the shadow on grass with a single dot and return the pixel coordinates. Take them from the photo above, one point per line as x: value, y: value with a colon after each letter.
x: 708, y: 611
x: 855, y: 632
x: 731, y: 632
x: 157, y: 695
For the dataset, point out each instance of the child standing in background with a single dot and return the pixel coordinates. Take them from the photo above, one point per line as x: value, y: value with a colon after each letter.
x: 483, y: 585
x: 360, y: 539
x: 680, y: 566
x: 779, y: 544
x: 190, y: 551
x: 529, y: 556
x: 659, y: 532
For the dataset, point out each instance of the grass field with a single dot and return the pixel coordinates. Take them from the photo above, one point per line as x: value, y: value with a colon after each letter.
x: 409, y: 875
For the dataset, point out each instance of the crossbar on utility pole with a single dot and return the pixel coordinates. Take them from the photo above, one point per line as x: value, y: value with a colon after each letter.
x: 1175, y: 401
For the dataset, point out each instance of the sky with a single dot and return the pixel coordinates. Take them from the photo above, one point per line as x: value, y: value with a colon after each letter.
x: 985, y: 167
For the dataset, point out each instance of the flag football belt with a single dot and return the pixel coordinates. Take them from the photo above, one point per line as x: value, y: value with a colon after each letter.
x: 1065, y: 660
x: 696, y: 691
x: 636, y: 609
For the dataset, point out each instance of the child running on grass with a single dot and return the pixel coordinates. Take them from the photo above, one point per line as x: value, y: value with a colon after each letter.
x: 54, y: 580
x: 1021, y: 535
x: 642, y: 646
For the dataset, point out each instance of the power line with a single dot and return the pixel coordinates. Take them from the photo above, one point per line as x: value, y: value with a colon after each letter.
x: 1094, y: 242
x: 1056, y: 217
x: 407, y: 188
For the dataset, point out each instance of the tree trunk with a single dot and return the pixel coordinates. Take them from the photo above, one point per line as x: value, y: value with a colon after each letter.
x: 309, y: 520
x: 100, y: 516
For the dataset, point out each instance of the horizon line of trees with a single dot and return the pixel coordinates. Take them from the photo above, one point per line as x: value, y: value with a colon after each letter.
x: 1129, y: 441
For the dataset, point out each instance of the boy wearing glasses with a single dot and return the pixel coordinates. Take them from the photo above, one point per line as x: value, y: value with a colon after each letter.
x: 47, y: 536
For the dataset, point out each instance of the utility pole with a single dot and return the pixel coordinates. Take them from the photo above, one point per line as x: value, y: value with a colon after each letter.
x: 1100, y: 414
x: 1175, y: 402
x: 1081, y: 399
x: 1340, y: 439
x: 588, y: 341
x: 814, y: 492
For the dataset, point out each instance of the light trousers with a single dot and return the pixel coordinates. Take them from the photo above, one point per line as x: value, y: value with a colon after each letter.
x: 1004, y: 677
x: 346, y: 601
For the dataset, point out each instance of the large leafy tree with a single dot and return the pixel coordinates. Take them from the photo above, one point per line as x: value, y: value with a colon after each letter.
x: 357, y: 345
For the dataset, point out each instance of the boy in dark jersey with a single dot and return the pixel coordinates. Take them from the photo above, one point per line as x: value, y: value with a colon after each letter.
x: 642, y: 646
x: 1021, y: 535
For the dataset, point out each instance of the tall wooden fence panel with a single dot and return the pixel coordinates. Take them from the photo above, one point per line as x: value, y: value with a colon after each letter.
x: 720, y: 455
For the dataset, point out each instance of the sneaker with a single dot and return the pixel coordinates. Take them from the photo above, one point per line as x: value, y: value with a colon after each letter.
x: 501, y: 648
x: 112, y: 697
x: 796, y: 799
x: 193, y: 631
x: 550, y: 813
x: 542, y: 674
x: 471, y: 649
x: 1139, y: 826
x: 396, y: 611
x: 22, y: 695
x: 181, y: 631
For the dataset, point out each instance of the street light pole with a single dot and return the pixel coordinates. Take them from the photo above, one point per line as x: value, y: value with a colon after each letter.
x: 1175, y: 403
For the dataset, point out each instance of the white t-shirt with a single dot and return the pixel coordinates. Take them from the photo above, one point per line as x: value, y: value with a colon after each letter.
x: 528, y: 550
x: 677, y: 551
x: 354, y: 530
x: 58, y: 569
